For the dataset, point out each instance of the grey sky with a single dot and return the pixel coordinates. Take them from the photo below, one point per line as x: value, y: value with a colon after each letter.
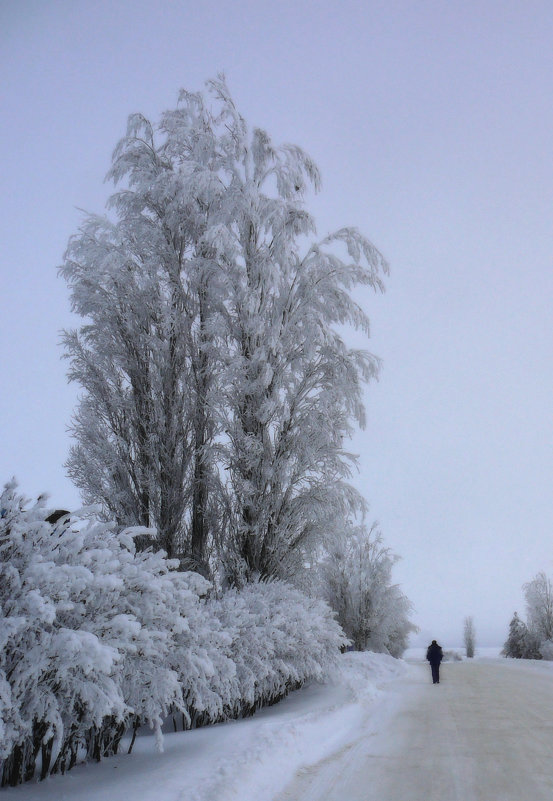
x: 432, y: 124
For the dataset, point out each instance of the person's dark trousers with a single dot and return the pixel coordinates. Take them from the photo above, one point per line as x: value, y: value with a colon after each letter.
x: 435, y: 673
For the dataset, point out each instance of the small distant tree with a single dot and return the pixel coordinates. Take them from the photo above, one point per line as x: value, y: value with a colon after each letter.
x: 469, y: 637
x: 516, y: 642
x: 524, y: 643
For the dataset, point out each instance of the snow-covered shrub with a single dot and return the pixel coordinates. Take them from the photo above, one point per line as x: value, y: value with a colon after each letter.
x: 249, y: 648
x: 96, y: 638
x: 202, y: 659
x: 60, y: 675
x: 452, y: 656
x: 280, y: 639
x: 87, y: 630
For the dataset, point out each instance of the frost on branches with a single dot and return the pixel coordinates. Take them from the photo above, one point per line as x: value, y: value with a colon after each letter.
x: 97, y: 639
x: 356, y: 581
x: 218, y: 390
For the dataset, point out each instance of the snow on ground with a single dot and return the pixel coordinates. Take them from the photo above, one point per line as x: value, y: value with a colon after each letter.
x: 246, y: 760
x: 482, y: 734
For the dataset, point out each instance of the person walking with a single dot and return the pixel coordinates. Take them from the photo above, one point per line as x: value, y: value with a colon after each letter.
x: 434, y: 654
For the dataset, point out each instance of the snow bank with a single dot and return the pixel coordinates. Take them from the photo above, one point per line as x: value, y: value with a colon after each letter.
x: 245, y: 760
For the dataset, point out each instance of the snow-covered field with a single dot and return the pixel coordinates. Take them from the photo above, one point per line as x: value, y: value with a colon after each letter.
x: 246, y: 760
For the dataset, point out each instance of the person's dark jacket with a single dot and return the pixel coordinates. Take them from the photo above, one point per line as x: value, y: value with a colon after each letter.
x: 434, y: 654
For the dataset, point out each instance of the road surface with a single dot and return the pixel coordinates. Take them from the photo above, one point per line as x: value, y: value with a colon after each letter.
x: 485, y: 733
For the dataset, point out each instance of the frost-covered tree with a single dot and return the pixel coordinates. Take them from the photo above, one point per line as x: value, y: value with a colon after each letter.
x: 356, y: 581
x: 146, y: 283
x: 546, y: 650
x: 218, y: 391
x: 539, y: 607
x: 516, y: 643
x: 292, y: 388
x: 469, y: 636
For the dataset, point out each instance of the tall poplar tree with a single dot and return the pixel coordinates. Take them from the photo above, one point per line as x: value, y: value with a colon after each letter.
x: 219, y: 390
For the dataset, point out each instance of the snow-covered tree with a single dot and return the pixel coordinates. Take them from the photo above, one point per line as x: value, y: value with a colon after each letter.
x: 532, y: 640
x: 292, y: 386
x: 469, y: 636
x: 356, y: 581
x: 539, y: 607
x: 147, y: 286
x: 516, y: 642
x: 546, y: 650
x: 210, y: 346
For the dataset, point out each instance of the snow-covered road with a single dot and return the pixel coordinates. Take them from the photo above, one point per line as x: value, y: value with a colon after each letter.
x: 485, y: 732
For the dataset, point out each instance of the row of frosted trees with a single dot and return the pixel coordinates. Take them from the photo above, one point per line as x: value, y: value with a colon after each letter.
x: 223, y: 559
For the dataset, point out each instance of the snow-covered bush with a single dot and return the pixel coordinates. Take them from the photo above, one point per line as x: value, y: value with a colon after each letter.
x: 202, y: 659
x: 280, y: 639
x: 59, y: 674
x: 250, y: 648
x: 96, y: 638
x: 356, y: 581
x: 452, y: 656
x: 87, y: 627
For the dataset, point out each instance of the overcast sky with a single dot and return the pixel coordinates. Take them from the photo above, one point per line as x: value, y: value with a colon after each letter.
x: 432, y: 124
